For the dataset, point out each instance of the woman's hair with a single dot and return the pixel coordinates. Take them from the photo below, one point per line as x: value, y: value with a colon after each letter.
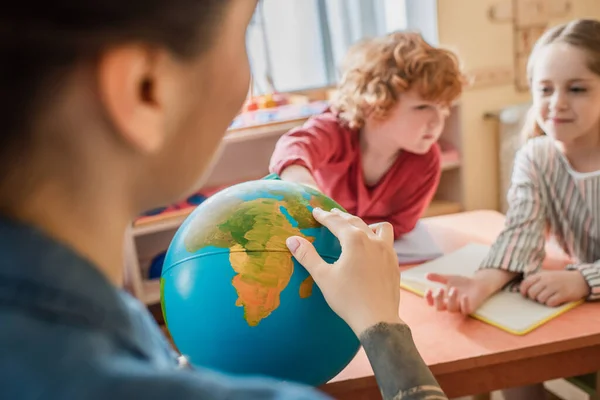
x: 41, y: 42
x: 376, y: 71
x: 581, y: 33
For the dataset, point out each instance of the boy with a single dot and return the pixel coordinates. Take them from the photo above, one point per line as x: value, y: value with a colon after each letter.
x: 375, y: 150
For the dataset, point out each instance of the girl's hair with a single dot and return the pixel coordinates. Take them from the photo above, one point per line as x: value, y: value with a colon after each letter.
x: 377, y: 70
x: 41, y: 42
x: 581, y: 33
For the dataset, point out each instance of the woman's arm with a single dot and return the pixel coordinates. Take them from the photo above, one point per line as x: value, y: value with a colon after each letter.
x: 399, y: 369
x: 363, y: 288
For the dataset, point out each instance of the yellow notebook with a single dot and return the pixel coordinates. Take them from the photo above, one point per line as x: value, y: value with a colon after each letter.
x: 508, y: 311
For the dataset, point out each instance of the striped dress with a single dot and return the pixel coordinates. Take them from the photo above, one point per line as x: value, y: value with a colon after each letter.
x: 548, y: 196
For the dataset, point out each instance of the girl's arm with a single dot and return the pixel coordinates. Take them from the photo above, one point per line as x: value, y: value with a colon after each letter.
x: 591, y: 274
x: 519, y: 249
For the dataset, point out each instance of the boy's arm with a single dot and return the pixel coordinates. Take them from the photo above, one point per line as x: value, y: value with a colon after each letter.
x: 300, y: 174
x: 591, y: 274
x: 309, y: 147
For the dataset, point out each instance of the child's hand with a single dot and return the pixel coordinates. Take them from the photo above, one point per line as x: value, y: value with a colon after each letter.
x: 465, y: 295
x: 461, y: 294
x: 554, y: 288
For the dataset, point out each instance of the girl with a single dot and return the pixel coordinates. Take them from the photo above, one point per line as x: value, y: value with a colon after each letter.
x: 102, y: 104
x: 376, y: 151
x: 555, y: 185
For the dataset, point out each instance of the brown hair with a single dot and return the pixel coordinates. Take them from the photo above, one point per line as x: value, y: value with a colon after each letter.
x: 377, y: 70
x: 581, y: 33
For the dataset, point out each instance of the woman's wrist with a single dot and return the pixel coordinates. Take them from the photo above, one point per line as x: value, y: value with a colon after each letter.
x: 364, y: 325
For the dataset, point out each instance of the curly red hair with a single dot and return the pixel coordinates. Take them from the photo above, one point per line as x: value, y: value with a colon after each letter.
x: 376, y: 71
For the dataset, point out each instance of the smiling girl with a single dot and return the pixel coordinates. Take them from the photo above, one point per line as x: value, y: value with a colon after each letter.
x: 555, y: 187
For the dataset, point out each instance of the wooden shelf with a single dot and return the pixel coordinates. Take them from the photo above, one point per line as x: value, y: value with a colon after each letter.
x: 262, y: 131
x: 277, y: 127
x: 161, y: 222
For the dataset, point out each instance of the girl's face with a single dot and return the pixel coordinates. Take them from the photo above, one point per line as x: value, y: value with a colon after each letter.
x: 413, y: 125
x: 566, y: 94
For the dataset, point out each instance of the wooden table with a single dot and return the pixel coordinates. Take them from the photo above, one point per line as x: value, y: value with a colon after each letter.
x: 469, y: 357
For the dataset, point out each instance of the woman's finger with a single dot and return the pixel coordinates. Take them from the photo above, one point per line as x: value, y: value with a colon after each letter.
x: 384, y: 230
x: 334, y: 222
x: 353, y: 220
x: 306, y: 254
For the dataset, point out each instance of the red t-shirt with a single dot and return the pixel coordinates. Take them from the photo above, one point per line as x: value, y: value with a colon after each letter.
x: 331, y: 152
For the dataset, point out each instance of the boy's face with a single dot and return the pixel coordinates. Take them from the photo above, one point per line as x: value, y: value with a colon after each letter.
x: 413, y: 125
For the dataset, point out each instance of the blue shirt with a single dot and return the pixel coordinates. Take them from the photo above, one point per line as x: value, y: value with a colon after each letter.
x: 67, y: 333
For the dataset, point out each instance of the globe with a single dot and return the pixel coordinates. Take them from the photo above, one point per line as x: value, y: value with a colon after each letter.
x: 235, y: 299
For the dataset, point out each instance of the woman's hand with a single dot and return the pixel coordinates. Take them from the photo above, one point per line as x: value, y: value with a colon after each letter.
x: 363, y: 285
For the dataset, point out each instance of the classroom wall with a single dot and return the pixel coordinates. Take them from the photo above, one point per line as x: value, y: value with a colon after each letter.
x: 486, y: 48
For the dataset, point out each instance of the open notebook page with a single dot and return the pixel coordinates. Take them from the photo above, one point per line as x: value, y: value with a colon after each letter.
x: 416, y: 246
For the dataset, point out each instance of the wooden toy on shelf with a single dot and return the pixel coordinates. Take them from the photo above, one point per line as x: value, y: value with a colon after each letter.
x: 271, y: 99
x: 250, y: 105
